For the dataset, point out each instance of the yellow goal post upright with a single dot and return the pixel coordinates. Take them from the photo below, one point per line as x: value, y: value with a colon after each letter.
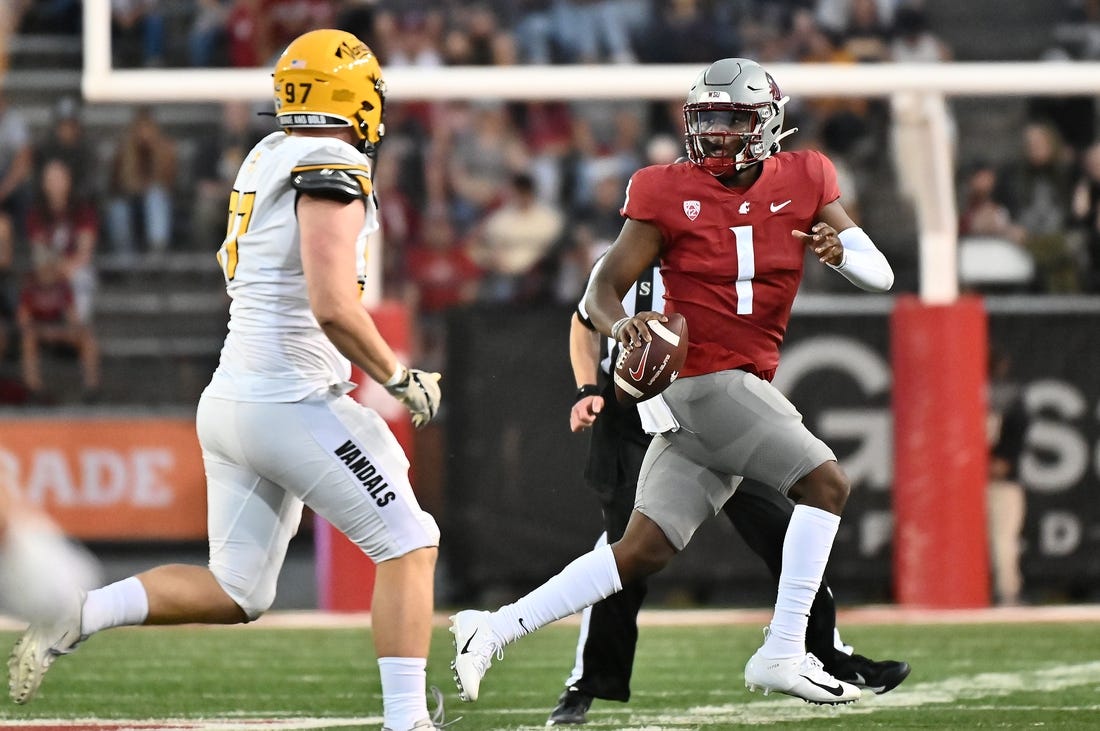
x: 937, y: 459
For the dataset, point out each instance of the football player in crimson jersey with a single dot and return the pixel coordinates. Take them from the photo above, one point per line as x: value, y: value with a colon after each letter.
x: 730, y: 228
x: 760, y: 514
x: 277, y: 427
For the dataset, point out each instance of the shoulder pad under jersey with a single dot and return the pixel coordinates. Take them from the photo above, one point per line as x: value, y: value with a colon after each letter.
x: 339, y: 182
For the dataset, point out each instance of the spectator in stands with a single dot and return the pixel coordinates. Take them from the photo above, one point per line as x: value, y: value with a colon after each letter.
x: 1008, y: 423
x: 16, y: 170
x: 439, y: 275
x: 682, y: 32
x: 358, y: 18
x: 835, y: 15
x: 143, y: 173
x: 1037, y: 193
x: 913, y: 41
x: 219, y: 158
x: 981, y: 214
x: 47, y: 317
x: 138, y: 32
x: 477, y: 40
x: 249, y: 34
x: 1086, y: 214
x: 513, y: 243
x: 60, y: 226
x: 414, y: 40
x: 597, y: 222
x: 483, y: 149
x: 65, y: 140
x: 580, y: 31
x: 866, y: 35
x: 291, y: 18
x: 206, y: 38
x: 618, y: 152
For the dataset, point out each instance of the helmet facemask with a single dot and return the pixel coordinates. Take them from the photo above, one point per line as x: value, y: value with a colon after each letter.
x: 733, y: 117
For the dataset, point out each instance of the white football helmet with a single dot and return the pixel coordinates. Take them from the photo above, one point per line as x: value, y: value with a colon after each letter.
x: 733, y: 116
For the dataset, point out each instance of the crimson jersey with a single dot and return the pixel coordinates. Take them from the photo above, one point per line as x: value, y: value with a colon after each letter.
x: 730, y: 264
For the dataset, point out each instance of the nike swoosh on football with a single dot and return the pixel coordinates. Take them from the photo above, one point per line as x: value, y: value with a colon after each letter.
x: 466, y: 647
x: 837, y: 691
x: 521, y: 624
x: 636, y: 373
x: 776, y: 207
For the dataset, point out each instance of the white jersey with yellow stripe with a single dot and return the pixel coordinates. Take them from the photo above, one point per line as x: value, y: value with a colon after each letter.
x: 275, y: 350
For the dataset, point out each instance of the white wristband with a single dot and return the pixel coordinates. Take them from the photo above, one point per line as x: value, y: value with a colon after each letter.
x: 618, y: 326
x: 397, y: 377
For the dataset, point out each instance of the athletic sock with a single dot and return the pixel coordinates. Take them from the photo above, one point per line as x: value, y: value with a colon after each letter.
x: 115, y: 605
x: 403, y: 699
x: 585, y: 581
x: 582, y: 638
x: 806, y: 548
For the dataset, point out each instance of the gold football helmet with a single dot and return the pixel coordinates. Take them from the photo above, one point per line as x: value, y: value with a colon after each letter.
x: 330, y: 78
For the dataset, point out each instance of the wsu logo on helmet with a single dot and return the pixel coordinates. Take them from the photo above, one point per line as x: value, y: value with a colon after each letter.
x: 691, y: 209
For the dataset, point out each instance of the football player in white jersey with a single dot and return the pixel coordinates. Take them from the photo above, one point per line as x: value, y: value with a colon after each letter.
x: 276, y: 425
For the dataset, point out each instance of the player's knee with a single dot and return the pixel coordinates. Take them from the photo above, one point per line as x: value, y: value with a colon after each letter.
x: 252, y: 600
x: 826, y: 488
x: 256, y: 603
x: 637, y: 559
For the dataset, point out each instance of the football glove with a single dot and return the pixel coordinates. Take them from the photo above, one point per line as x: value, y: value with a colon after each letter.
x: 419, y: 392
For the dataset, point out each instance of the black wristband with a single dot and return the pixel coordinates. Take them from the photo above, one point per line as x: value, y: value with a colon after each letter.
x: 588, y: 389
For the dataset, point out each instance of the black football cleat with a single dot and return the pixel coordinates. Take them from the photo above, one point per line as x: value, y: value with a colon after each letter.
x: 877, y: 676
x: 572, y: 709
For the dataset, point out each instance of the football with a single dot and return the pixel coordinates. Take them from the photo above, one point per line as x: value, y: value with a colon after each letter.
x: 649, y: 369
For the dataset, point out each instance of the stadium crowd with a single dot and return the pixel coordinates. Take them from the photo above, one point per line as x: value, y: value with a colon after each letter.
x: 490, y: 202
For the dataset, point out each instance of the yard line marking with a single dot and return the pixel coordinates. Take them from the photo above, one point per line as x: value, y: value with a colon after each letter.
x: 208, y: 724
x: 915, y: 695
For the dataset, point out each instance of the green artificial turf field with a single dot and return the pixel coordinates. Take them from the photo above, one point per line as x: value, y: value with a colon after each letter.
x: 1018, y: 675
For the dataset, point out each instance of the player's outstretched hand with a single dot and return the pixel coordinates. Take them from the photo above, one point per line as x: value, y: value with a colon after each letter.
x: 584, y: 412
x: 824, y: 242
x: 419, y: 392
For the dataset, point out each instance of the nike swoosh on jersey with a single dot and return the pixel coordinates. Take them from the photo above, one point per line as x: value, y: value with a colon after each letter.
x: 837, y: 691
x: 636, y: 373
x: 779, y: 206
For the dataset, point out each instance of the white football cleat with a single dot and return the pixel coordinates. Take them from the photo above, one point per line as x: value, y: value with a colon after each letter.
x: 801, y: 676
x: 475, y: 645
x: 36, y: 650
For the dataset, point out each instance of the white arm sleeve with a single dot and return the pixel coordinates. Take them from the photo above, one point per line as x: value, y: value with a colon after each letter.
x: 864, y: 265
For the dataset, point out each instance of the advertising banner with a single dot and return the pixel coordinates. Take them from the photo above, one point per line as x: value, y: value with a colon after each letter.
x: 110, y: 479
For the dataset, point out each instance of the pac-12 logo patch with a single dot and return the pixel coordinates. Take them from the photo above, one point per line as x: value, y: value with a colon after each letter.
x: 691, y: 209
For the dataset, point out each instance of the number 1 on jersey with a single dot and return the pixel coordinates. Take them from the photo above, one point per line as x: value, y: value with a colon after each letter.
x: 240, y: 213
x: 746, y: 268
